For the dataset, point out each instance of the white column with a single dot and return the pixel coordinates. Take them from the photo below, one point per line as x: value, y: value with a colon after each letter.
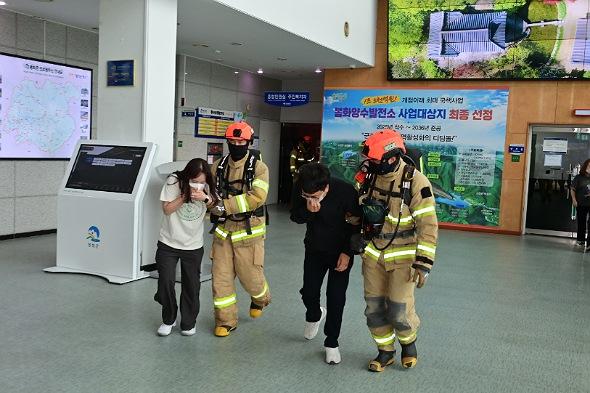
x: 143, y: 31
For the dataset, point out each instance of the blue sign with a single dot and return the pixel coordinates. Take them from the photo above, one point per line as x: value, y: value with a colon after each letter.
x: 516, y: 149
x: 120, y: 73
x: 286, y: 99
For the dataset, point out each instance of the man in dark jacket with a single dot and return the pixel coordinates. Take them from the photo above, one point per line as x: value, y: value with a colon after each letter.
x: 328, y: 207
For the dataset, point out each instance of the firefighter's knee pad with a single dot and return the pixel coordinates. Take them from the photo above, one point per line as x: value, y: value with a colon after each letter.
x: 376, y: 312
x: 396, y: 315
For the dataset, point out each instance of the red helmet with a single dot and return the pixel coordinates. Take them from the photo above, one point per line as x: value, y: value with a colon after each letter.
x: 384, y: 144
x: 240, y: 131
x: 307, y: 138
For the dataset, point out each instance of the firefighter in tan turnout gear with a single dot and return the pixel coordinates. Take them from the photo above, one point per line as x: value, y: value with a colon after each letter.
x: 241, y: 180
x: 398, y: 244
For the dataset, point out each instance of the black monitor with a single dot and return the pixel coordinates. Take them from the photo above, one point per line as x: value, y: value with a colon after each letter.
x: 106, y: 168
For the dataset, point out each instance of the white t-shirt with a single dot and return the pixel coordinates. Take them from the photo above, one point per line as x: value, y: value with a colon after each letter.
x: 183, y: 229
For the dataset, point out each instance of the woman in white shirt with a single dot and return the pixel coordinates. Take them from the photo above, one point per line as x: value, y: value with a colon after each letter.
x: 185, y: 198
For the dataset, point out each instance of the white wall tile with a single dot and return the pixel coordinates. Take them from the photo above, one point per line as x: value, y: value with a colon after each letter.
x: 270, y: 112
x: 249, y: 83
x: 197, y: 95
x: 197, y: 71
x: 224, y: 99
x: 251, y: 101
x: 254, y: 122
x: 31, y: 54
x: 7, y: 49
x: 184, y: 125
x: 55, y: 59
x: 223, y: 77
x: 7, y: 28
x: 29, y: 34
x: 82, y: 45
x: 6, y: 216
x: 35, y: 214
x: 55, y: 39
x: 7, y: 176
x: 269, y: 84
x: 36, y: 178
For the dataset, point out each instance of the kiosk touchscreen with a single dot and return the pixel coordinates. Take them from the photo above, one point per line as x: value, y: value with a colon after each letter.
x: 103, y: 213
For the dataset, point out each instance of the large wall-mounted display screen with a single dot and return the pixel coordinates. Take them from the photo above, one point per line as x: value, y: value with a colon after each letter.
x: 490, y: 39
x: 106, y: 168
x: 45, y: 108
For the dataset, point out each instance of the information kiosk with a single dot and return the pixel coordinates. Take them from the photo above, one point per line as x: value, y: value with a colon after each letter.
x: 108, y: 211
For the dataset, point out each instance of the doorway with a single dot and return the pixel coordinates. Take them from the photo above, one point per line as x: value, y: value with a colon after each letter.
x: 556, y: 152
x: 291, y: 135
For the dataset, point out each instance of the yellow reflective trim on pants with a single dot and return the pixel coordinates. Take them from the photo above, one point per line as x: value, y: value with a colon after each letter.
x: 243, y: 235
x: 260, y: 184
x: 223, y: 302
x: 242, y: 203
x: 422, y: 211
x: 220, y: 233
x: 385, y: 340
x: 263, y: 291
x: 407, y: 339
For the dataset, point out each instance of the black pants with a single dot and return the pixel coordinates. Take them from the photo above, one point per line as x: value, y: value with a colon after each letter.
x: 314, y: 270
x: 190, y: 268
x: 583, y: 223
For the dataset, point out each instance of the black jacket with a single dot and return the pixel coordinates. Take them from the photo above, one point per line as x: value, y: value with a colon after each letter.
x: 327, y: 230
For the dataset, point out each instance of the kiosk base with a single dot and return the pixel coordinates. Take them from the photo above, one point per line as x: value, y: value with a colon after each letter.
x: 109, y: 278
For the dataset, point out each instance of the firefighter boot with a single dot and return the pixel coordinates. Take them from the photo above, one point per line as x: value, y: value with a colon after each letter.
x: 383, y: 359
x: 224, y: 331
x: 409, y: 355
x: 255, y: 310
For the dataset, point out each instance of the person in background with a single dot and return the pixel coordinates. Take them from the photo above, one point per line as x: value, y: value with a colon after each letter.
x: 185, y: 198
x: 327, y: 206
x: 303, y: 153
x: 580, y: 192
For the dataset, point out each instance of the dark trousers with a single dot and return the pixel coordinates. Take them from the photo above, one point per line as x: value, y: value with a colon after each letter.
x: 314, y: 270
x: 190, y: 268
x: 583, y: 223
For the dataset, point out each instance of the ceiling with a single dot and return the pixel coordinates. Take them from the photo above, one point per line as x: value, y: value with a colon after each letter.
x: 211, y: 31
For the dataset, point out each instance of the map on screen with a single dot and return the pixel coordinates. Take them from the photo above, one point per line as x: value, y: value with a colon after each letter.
x: 45, y: 108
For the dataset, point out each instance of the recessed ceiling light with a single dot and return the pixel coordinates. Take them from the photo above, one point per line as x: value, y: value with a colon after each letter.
x: 41, y: 1
x: 237, y: 43
x: 217, y: 51
x: 199, y: 44
x: 318, y: 70
x: 260, y: 71
x: 2, y: 3
x: 282, y: 58
x: 236, y: 72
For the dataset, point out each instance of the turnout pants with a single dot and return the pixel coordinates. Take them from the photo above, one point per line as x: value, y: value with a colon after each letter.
x: 244, y: 259
x: 390, y: 307
x: 190, y: 267
x: 314, y: 270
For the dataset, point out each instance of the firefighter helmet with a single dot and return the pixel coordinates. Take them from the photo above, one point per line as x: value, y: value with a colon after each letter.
x: 240, y: 131
x: 383, y: 145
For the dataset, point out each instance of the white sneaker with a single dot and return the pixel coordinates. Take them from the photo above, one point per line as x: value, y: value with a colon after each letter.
x: 189, y: 332
x: 333, y: 355
x: 312, y: 328
x: 165, y: 330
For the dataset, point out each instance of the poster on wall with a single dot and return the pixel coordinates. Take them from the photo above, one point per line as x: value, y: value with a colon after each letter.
x: 460, y: 134
x: 492, y: 39
x: 212, y: 123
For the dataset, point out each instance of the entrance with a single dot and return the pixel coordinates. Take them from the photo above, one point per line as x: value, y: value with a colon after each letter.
x: 291, y: 135
x: 556, y: 154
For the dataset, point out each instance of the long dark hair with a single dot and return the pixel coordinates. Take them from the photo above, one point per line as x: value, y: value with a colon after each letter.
x: 584, y: 168
x: 195, y: 168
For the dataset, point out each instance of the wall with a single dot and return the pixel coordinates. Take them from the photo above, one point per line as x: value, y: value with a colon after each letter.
x: 28, y: 189
x: 529, y: 103
x: 320, y: 21
x: 213, y: 85
x: 310, y: 113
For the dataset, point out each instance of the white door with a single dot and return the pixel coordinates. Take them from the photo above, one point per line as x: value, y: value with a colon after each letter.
x: 270, y: 148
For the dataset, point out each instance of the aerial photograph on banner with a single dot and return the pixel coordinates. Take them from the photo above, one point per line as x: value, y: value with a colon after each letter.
x: 459, y: 135
x: 489, y: 39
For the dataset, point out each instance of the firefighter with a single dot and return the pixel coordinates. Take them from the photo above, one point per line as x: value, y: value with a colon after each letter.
x: 303, y: 153
x: 241, y: 180
x: 398, y: 245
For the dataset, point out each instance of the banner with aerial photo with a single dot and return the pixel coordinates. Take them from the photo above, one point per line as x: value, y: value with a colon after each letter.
x: 460, y: 135
x: 489, y: 39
